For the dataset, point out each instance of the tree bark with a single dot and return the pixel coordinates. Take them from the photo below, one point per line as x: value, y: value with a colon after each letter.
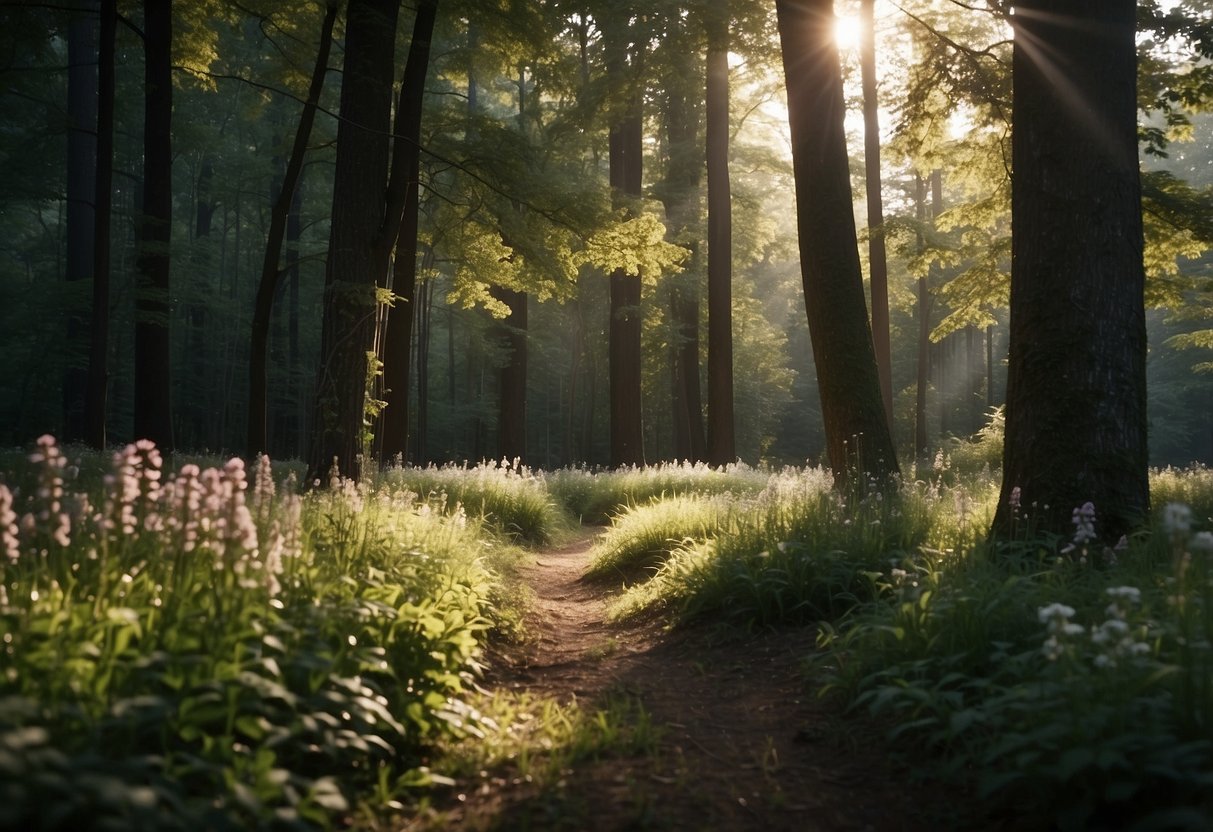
x: 511, y: 386
x: 98, y: 354
x: 722, y: 448
x: 877, y: 260
x: 921, y: 447
x: 626, y: 146
x: 858, y: 442
x: 1076, y: 387
x: 405, y: 187
x: 271, y: 274
x: 153, y: 376
x: 81, y: 201
x: 353, y: 265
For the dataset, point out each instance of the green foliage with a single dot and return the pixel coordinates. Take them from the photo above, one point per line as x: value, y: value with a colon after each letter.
x: 507, y: 496
x: 642, y: 536
x: 595, y: 497
x: 197, y: 651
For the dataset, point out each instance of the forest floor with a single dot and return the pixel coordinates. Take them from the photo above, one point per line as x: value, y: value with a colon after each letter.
x: 743, y: 743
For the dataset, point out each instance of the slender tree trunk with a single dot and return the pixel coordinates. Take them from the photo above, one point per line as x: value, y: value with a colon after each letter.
x: 153, y: 377
x: 877, y: 260
x: 271, y: 274
x: 294, y: 420
x: 722, y: 447
x: 406, y: 176
x: 511, y: 386
x: 81, y: 200
x: 857, y: 434
x: 990, y: 399
x: 98, y: 355
x: 921, y: 440
x: 358, y: 213
x: 1076, y: 386
x: 425, y: 313
x: 626, y: 147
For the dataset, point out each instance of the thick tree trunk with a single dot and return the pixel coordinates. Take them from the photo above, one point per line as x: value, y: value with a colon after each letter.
x: 405, y: 186
x: 354, y: 257
x: 98, y: 354
x: 858, y: 442
x: 153, y: 377
x: 271, y: 274
x: 511, y: 384
x: 877, y: 261
x: 721, y: 443
x: 81, y: 192
x: 1076, y: 387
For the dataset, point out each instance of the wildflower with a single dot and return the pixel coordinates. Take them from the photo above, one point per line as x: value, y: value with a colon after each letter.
x: 1130, y: 594
x: 1014, y: 501
x: 1202, y: 542
x: 1176, y: 519
x: 1054, y: 611
x: 1084, y: 523
x: 10, y: 545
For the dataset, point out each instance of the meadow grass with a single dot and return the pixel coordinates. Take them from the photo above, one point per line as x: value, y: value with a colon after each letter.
x: 510, y: 498
x: 595, y: 497
x: 210, y: 649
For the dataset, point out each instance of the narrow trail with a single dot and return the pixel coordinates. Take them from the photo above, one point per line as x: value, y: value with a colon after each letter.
x: 744, y: 744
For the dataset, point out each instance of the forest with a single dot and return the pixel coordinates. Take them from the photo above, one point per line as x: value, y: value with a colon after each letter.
x: 639, y: 379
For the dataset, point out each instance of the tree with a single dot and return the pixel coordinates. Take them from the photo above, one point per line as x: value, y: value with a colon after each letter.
x: 271, y: 274
x: 81, y: 180
x: 857, y: 433
x: 877, y: 261
x: 721, y: 435
x: 402, y: 214
x: 626, y: 152
x: 98, y: 354
x: 153, y: 408
x: 1076, y: 387
x: 355, y: 260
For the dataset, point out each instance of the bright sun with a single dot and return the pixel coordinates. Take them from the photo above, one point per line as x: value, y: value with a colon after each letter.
x: 846, y: 32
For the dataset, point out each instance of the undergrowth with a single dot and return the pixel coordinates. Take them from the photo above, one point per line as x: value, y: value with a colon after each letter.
x: 200, y: 651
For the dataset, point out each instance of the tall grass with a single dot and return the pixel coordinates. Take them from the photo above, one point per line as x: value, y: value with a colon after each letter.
x: 211, y: 650
x: 596, y: 496
x: 511, y: 498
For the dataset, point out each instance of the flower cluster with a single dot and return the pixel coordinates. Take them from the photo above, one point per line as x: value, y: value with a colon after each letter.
x: 1114, y: 641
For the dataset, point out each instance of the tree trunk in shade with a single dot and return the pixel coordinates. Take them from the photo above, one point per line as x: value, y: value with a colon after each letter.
x: 353, y: 264
x: 721, y: 442
x: 511, y: 386
x: 858, y: 442
x: 153, y: 408
x: 923, y: 359
x: 626, y: 148
x: 877, y: 260
x: 1076, y: 385
x: 81, y: 200
x: 98, y: 354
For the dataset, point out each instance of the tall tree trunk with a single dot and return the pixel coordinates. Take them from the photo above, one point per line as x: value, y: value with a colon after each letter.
x: 722, y: 447
x: 294, y: 423
x: 81, y: 200
x: 626, y: 147
x: 271, y: 274
x: 877, y: 260
x: 153, y: 377
x: 353, y: 263
x: 98, y: 354
x: 1076, y: 386
x: 425, y: 315
x: 511, y: 386
x: 990, y: 400
x: 406, y: 176
x: 922, y: 379
x: 679, y: 194
x: 858, y: 442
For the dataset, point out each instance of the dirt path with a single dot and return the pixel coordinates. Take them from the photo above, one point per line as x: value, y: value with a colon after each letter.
x: 744, y: 745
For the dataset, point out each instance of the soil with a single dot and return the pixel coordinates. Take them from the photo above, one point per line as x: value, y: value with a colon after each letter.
x: 744, y: 743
